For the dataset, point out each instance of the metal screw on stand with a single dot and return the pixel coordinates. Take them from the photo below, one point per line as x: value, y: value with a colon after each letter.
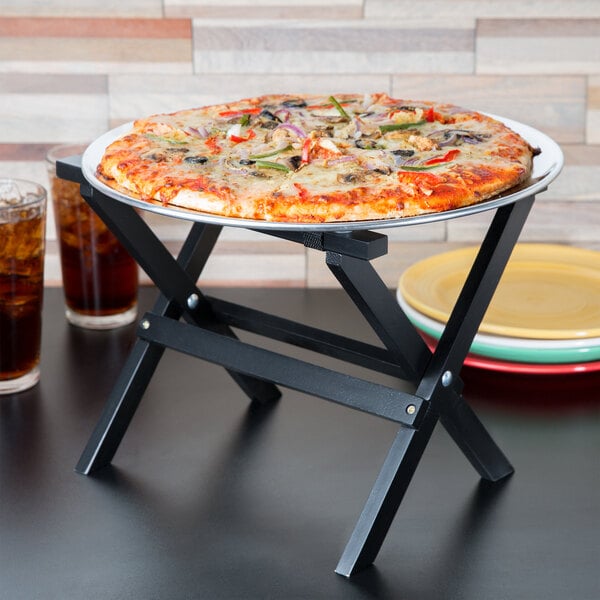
x: 447, y: 378
x: 192, y: 301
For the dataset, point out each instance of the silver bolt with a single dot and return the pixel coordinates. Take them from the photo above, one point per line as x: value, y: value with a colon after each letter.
x: 192, y: 301
x: 145, y: 324
x: 411, y: 409
x: 447, y: 378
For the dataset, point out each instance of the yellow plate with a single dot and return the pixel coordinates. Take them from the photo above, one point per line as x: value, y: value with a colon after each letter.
x: 546, y: 292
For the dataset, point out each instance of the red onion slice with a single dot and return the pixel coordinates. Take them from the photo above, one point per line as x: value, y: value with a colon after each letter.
x: 283, y: 114
x: 200, y: 131
x: 297, y: 131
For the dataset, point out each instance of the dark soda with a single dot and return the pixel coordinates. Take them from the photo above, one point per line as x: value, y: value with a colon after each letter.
x: 20, y: 324
x: 99, y: 276
x: 21, y: 289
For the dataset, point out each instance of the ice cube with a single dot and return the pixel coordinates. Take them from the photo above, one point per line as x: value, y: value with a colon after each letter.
x: 10, y: 195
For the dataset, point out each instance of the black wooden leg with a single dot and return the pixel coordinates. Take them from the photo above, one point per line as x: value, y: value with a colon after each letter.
x: 436, y: 375
x: 120, y: 407
x: 141, y: 364
x: 441, y: 383
x: 385, y: 498
x: 473, y: 439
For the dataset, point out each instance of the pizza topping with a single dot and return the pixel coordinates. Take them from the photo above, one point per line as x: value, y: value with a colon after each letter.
x: 399, y: 126
x: 271, y: 153
x: 199, y: 131
x: 367, y: 144
x: 406, y: 167
x: 265, y: 164
x: 295, y: 162
x: 319, y: 158
x: 230, y: 114
x: 328, y: 145
x: 407, y: 115
x: 421, y: 143
x: 352, y: 177
x: 236, y: 135
x: 196, y: 160
x: 455, y: 137
x: 306, y: 146
x: 339, y: 108
x: 297, y: 131
x: 294, y: 103
x: 160, y: 138
x: 438, y: 160
x: 268, y: 120
x: 404, y: 153
x: 381, y: 163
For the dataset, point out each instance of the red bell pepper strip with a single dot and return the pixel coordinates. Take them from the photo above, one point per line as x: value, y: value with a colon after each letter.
x: 450, y: 155
x: 236, y: 139
x: 239, y: 113
x: 430, y: 115
x: 306, y: 148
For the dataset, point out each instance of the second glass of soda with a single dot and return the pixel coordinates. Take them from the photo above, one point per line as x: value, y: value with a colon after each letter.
x: 100, y: 278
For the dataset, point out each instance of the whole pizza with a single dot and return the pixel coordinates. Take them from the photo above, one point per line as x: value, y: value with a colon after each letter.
x: 317, y: 159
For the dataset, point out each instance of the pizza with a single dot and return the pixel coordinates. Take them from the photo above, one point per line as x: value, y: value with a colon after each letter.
x: 317, y: 159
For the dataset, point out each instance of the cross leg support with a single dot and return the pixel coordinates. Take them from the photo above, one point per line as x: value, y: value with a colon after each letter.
x: 208, y: 335
x: 435, y: 375
x: 179, y: 297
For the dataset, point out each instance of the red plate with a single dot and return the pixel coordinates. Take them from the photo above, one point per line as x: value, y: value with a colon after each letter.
x: 492, y: 364
x: 481, y: 362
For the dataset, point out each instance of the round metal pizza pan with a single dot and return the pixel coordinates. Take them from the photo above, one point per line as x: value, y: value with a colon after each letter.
x: 546, y: 167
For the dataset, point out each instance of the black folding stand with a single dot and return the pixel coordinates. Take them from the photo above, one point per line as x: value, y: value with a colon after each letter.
x: 207, y: 333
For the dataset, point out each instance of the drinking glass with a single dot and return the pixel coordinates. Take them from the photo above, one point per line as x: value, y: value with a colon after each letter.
x: 100, y: 279
x: 22, y: 236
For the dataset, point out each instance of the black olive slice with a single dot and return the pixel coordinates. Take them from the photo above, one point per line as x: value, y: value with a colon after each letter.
x: 295, y: 162
x: 196, y: 160
x: 294, y: 103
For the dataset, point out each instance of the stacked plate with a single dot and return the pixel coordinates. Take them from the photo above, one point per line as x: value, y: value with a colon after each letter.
x: 543, y: 318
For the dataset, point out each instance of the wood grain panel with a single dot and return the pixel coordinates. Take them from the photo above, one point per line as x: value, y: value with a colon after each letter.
x: 265, y: 9
x: 567, y: 46
x: 564, y: 222
x: 83, y: 8
x: 96, y: 28
x: 555, y: 105
x: 593, y: 115
x: 93, y: 55
x: 338, y: 47
x: 477, y: 9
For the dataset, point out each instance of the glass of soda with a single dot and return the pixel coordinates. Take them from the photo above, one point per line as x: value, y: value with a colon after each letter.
x: 22, y: 236
x: 100, y: 279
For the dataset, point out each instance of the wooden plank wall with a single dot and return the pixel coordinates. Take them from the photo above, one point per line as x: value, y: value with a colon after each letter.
x: 71, y: 70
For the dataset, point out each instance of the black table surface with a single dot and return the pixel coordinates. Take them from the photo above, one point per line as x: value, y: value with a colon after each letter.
x: 210, y: 497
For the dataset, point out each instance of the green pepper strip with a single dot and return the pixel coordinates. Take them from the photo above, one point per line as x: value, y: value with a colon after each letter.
x: 428, y: 168
x: 273, y: 153
x: 245, y: 120
x: 267, y: 164
x: 398, y: 126
x: 339, y: 108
